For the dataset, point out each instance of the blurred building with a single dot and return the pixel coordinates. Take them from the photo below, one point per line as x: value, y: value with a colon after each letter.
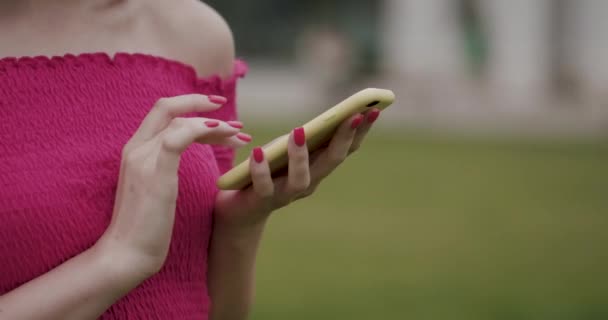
x: 476, y: 64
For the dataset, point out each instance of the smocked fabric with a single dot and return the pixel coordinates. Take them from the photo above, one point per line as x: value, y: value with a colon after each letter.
x: 63, y: 123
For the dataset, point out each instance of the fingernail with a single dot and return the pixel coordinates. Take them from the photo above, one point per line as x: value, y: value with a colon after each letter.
x: 299, y: 137
x: 217, y: 99
x: 258, y: 154
x: 212, y: 123
x: 235, y: 124
x: 244, y: 137
x: 373, y: 115
x: 356, y: 121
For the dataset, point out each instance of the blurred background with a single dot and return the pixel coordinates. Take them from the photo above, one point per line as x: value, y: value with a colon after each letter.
x: 481, y: 194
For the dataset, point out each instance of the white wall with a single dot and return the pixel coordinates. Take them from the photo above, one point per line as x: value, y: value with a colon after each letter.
x: 586, y: 46
x: 519, y: 34
x: 422, y: 37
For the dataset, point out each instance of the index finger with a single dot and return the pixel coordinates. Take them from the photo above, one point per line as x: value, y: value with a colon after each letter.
x: 166, y: 109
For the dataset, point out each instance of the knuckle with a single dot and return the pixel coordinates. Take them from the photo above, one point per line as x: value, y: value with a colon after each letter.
x: 162, y: 103
x: 264, y: 192
x: 257, y: 175
x: 263, y: 185
x: 198, y: 98
x: 177, y: 123
x: 299, y: 185
x: 300, y: 157
x: 169, y: 143
x: 306, y: 193
x: 335, y: 159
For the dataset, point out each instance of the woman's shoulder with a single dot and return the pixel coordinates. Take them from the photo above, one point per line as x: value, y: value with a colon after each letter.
x: 193, y: 32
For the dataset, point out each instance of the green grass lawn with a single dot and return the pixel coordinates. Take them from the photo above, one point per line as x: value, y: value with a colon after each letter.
x: 424, y: 227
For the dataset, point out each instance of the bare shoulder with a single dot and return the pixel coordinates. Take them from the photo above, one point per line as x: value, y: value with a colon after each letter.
x: 195, y: 33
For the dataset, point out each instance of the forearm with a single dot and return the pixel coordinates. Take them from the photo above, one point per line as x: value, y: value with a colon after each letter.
x: 231, y: 275
x: 80, y: 288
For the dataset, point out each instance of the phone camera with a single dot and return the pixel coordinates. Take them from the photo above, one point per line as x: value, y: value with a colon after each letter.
x: 373, y: 103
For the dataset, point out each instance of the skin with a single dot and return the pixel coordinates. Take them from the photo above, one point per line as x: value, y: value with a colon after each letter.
x: 135, y: 245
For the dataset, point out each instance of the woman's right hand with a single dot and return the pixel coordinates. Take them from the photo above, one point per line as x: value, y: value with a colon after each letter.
x: 138, y: 237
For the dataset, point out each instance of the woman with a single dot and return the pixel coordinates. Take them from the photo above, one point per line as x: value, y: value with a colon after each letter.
x: 93, y: 140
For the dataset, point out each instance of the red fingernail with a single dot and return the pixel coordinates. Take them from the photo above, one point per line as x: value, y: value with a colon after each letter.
x: 244, y: 137
x: 356, y: 121
x: 299, y: 137
x: 235, y: 124
x: 258, y: 154
x: 373, y: 115
x: 217, y: 99
x: 212, y: 123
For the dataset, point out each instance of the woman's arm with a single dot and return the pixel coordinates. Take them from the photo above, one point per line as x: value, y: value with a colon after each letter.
x: 136, y: 243
x: 80, y: 288
x: 231, y: 273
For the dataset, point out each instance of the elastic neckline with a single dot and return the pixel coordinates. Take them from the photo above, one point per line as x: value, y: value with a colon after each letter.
x: 119, y: 58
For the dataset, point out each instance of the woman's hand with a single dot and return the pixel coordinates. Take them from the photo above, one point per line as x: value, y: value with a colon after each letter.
x: 240, y: 215
x: 140, y: 231
x: 252, y: 205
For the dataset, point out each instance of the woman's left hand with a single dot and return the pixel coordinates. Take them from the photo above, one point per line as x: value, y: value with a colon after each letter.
x: 251, y: 206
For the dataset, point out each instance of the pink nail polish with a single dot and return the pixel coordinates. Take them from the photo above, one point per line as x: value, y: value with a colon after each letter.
x: 235, y: 124
x: 356, y: 121
x: 212, y: 123
x: 258, y: 154
x: 373, y: 115
x: 299, y: 136
x: 217, y: 99
x: 244, y: 137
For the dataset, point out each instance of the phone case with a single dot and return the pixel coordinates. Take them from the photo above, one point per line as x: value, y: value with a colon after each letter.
x: 318, y: 131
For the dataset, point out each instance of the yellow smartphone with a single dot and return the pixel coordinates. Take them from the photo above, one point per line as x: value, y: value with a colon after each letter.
x: 318, y: 132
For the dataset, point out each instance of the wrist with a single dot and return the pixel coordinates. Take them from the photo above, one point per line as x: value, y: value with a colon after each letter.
x: 120, y: 267
x: 240, y: 229
x: 238, y: 235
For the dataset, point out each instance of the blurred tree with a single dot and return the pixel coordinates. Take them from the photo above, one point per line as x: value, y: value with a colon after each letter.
x: 475, y: 37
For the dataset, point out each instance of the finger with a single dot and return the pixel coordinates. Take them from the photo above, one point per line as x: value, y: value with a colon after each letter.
x: 337, y: 150
x: 166, y: 109
x: 261, y: 178
x: 182, y: 132
x: 370, y: 117
x: 298, y: 171
x: 238, y: 140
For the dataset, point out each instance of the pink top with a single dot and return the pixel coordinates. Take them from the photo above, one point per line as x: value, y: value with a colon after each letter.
x: 64, y: 121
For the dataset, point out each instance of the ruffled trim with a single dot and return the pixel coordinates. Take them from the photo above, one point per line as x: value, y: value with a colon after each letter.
x: 122, y: 58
